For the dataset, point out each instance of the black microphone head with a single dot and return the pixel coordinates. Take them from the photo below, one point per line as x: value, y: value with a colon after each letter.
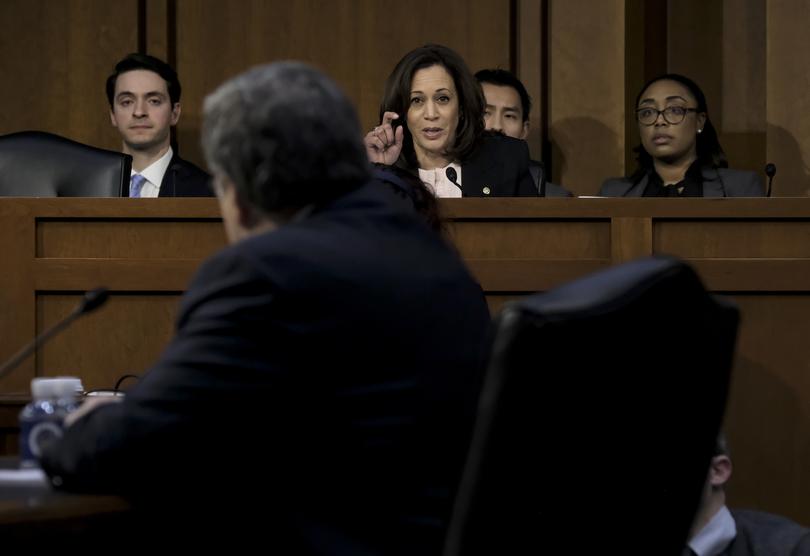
x: 94, y: 299
x: 770, y: 169
x: 451, y: 175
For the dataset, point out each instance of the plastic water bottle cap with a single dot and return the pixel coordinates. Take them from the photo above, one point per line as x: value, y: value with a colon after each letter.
x: 56, y: 388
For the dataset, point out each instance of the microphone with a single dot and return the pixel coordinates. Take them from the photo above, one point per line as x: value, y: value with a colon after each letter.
x: 770, y: 171
x: 452, y: 175
x: 92, y: 301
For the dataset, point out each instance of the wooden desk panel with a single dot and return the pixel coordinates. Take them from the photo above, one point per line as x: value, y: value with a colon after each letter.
x: 127, y: 238
x: 145, y: 251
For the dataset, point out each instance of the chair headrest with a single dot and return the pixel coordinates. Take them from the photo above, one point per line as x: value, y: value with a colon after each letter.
x: 40, y: 164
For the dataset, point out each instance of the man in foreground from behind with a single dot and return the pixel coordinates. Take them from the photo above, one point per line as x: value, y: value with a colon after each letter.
x: 325, y: 366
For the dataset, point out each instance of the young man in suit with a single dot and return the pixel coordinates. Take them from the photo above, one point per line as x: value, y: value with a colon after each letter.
x: 718, y: 531
x: 507, y: 112
x: 144, y: 97
x: 319, y: 393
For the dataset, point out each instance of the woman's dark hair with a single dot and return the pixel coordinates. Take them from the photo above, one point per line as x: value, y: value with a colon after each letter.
x: 709, y: 151
x: 471, y: 104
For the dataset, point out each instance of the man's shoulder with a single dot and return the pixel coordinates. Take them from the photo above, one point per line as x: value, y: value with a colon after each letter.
x: 768, y: 533
x: 615, y: 187
x: 552, y: 189
x: 187, y: 167
x: 369, y: 214
x: 185, y: 179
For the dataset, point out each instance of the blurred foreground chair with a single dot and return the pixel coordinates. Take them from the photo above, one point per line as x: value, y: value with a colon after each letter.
x: 598, y: 417
x: 39, y: 164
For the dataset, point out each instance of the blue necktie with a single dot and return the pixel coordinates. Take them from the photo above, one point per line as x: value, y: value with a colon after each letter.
x: 135, y: 185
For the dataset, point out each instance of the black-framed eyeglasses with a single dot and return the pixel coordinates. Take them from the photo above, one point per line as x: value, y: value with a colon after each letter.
x: 672, y: 114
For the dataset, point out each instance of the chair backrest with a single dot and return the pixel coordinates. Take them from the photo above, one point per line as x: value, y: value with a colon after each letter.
x: 39, y: 164
x: 598, y: 416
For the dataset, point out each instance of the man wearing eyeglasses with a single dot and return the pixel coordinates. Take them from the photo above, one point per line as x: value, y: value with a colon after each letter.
x: 680, y: 154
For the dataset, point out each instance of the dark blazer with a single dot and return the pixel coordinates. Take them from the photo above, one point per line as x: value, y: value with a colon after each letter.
x: 717, y: 182
x: 764, y: 534
x: 184, y: 179
x: 322, y: 376
x: 551, y: 189
x: 498, y: 167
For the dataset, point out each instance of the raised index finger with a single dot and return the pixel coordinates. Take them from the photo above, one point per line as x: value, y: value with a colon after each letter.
x: 387, y: 127
x: 389, y: 117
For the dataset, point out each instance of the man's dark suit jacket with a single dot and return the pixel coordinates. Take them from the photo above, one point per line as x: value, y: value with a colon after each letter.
x: 551, y: 189
x: 498, y: 167
x: 764, y: 534
x: 325, y: 372
x: 717, y: 182
x: 184, y: 179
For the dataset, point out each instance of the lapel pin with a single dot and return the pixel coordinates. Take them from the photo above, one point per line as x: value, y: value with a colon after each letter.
x: 486, y: 190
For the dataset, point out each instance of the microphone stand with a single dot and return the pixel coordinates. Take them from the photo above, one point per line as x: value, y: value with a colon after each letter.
x: 92, y: 300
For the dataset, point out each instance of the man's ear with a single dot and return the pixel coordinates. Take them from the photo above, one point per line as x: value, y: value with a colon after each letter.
x: 112, y: 118
x: 525, y: 133
x: 248, y: 217
x: 175, y: 113
x: 720, y: 471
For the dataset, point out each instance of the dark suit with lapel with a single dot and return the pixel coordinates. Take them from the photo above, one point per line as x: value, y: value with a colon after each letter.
x: 717, y: 182
x: 498, y: 167
x: 317, y: 396
x: 184, y: 179
x: 764, y: 534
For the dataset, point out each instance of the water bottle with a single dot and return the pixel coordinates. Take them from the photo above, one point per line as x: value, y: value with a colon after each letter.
x: 42, y: 420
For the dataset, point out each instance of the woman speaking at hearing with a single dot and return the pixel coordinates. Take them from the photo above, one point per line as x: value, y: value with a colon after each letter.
x: 432, y: 125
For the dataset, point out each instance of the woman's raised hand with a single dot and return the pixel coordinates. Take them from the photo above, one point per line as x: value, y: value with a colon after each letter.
x: 384, y: 142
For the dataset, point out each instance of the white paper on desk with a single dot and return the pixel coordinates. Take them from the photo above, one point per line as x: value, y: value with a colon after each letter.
x: 23, y: 478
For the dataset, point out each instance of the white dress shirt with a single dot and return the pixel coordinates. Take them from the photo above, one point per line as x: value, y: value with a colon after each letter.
x: 716, y: 535
x: 436, y: 180
x: 154, y: 175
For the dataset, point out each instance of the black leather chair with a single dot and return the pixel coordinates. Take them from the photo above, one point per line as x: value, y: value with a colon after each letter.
x: 39, y: 164
x: 598, y: 417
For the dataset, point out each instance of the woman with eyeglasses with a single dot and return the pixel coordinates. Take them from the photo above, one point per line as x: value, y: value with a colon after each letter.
x: 432, y: 126
x: 679, y: 155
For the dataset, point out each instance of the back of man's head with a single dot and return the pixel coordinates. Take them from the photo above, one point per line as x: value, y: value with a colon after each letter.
x: 137, y: 61
x: 286, y: 136
x: 504, y: 78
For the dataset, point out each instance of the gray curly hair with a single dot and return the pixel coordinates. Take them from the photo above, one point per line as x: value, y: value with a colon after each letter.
x: 286, y: 136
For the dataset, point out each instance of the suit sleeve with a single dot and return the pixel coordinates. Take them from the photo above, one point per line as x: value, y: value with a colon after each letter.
x: 750, y: 186
x: 802, y: 548
x: 613, y: 187
x: 204, y: 382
